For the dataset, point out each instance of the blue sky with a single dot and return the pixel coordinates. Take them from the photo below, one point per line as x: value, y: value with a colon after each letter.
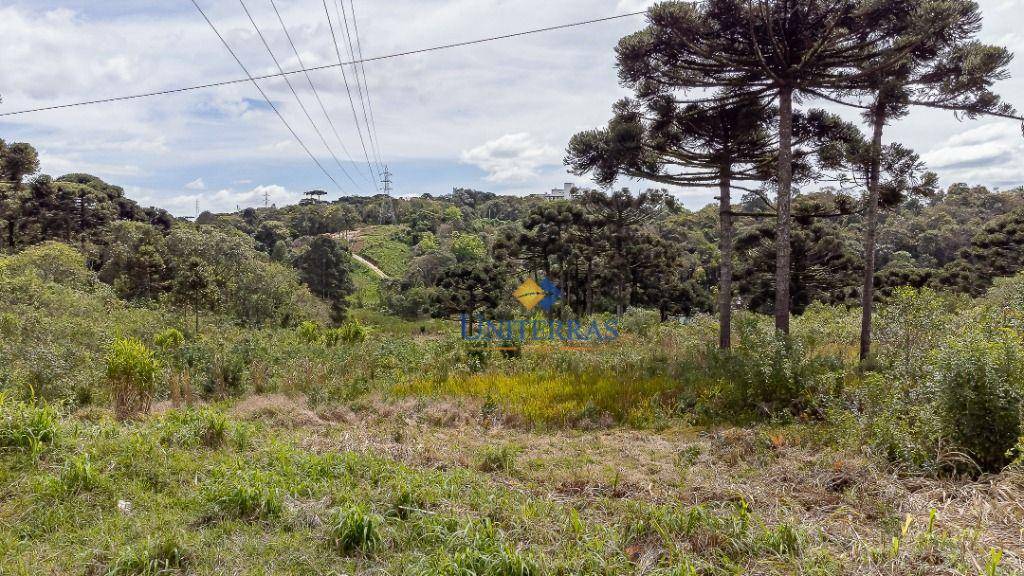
x: 494, y: 117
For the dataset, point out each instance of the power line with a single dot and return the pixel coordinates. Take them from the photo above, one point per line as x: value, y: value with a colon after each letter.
x: 323, y: 67
x: 265, y: 97
x: 348, y: 90
x: 296, y: 94
x: 312, y: 86
x: 363, y: 89
x: 362, y: 66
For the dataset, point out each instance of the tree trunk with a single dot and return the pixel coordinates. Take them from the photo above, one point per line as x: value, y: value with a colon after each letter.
x: 589, y: 290
x: 782, y: 226
x: 870, y: 232
x: 725, y: 266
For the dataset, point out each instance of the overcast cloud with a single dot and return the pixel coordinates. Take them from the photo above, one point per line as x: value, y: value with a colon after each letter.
x: 494, y: 117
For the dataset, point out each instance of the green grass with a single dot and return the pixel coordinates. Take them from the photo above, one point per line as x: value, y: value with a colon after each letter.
x: 280, y: 506
x: 380, y: 247
x: 367, y: 294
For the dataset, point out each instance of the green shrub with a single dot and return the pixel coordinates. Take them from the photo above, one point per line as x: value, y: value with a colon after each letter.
x: 640, y: 321
x: 26, y: 427
x: 131, y: 372
x: 348, y: 333
x: 226, y: 372
x: 770, y: 374
x: 170, y: 340
x: 355, y: 529
x: 908, y: 326
x: 901, y: 423
x: 309, y: 332
x: 980, y: 384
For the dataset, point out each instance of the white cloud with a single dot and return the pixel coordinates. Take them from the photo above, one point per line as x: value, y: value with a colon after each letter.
x: 512, y: 158
x: 988, y: 154
x: 438, y: 109
x: 196, y: 184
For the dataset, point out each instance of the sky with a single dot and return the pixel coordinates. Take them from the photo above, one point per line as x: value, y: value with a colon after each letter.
x: 493, y: 117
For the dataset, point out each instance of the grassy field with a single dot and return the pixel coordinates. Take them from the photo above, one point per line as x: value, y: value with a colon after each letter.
x: 378, y: 245
x: 267, y: 486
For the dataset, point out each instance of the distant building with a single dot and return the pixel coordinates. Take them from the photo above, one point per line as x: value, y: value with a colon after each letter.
x: 567, y: 192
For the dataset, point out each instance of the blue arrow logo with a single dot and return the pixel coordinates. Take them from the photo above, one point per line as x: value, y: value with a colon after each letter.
x: 552, y: 294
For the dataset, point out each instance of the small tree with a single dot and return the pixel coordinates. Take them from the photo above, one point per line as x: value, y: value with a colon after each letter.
x: 131, y: 373
x: 193, y: 287
x: 326, y: 269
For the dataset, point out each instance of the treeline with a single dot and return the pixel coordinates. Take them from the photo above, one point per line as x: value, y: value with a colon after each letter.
x: 468, y: 250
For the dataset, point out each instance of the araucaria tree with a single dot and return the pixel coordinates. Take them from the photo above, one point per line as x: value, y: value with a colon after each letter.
x: 691, y: 145
x: 772, y: 48
x: 945, y: 69
x: 325, y: 268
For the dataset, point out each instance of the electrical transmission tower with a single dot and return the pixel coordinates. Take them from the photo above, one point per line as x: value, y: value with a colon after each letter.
x: 387, y: 207
x: 266, y: 198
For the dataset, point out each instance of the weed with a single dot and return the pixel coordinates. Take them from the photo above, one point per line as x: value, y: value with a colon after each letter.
x: 78, y: 475
x: 152, y: 558
x: 251, y: 496
x: 26, y: 427
x: 498, y: 458
x: 354, y: 530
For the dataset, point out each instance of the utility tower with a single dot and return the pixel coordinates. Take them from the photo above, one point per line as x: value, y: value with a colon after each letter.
x: 266, y: 198
x: 387, y: 207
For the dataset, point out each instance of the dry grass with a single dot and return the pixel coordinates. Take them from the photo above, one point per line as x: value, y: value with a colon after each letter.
x: 845, y: 501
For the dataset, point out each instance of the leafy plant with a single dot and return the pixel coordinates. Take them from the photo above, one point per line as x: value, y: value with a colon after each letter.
x: 248, y: 496
x: 354, y: 529
x: 26, y: 427
x: 160, y: 557
x: 131, y: 373
x: 980, y: 385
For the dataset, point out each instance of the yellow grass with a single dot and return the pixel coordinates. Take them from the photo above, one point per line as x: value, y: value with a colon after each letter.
x: 559, y: 399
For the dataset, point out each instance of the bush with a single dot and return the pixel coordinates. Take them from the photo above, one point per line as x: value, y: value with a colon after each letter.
x: 226, y: 373
x: 309, y: 332
x: 26, y: 427
x: 640, y: 321
x: 770, y: 374
x: 348, y: 333
x: 131, y: 372
x: 355, y: 529
x: 171, y: 342
x: 980, y: 384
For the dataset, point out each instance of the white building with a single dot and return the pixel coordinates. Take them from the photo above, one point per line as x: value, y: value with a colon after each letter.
x: 564, y: 193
